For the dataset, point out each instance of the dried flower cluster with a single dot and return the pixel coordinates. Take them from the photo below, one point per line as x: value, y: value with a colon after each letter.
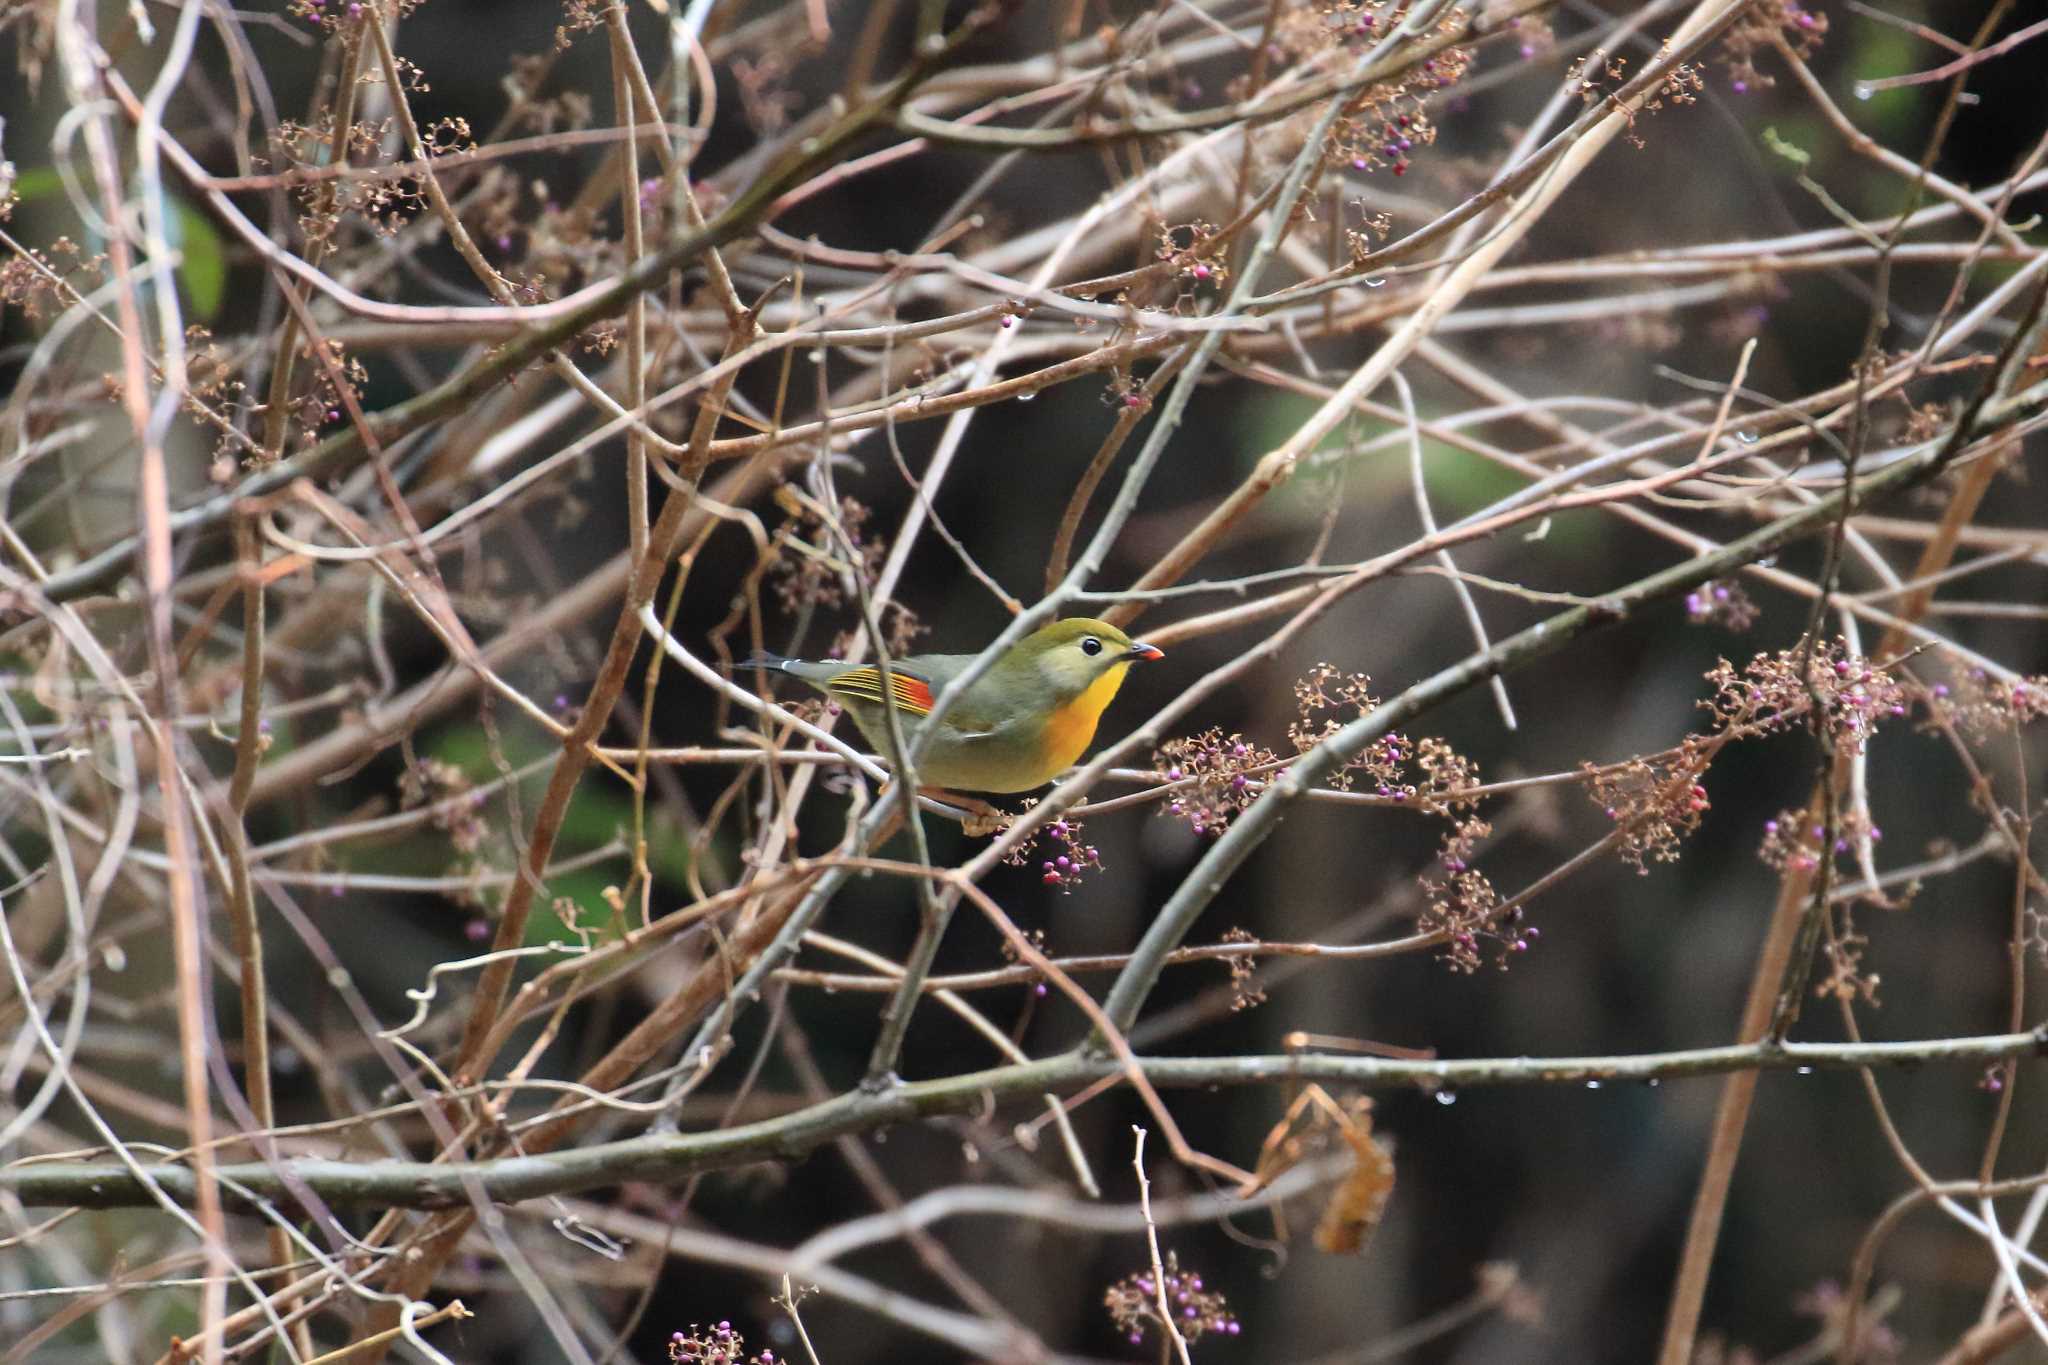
x: 811, y: 570
x: 1245, y: 991
x: 1827, y: 1305
x: 459, y: 809
x: 1600, y: 76
x: 385, y: 202
x: 1447, y: 778
x: 329, y: 374
x: 42, y: 282
x: 1842, y: 953
x: 2034, y: 938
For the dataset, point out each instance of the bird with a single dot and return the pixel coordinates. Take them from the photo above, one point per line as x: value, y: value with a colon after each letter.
x: 1022, y: 723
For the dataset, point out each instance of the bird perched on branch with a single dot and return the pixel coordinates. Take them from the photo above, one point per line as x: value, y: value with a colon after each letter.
x: 1018, y: 726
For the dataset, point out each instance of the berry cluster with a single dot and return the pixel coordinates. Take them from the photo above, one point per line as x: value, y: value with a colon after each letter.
x: 718, y: 1345
x: 1389, y: 120
x: 1383, y: 762
x: 1722, y: 603
x: 1655, y: 805
x: 1066, y: 862
x: 1790, y: 843
x: 1536, y: 37
x: 1064, y: 870
x: 1759, y: 29
x: 1214, y: 777
x: 331, y: 15
x: 1773, y: 691
x: 1202, y: 260
x: 1981, y: 705
x: 320, y: 403
x: 1369, y: 145
x: 1133, y: 1304
x: 1464, y: 907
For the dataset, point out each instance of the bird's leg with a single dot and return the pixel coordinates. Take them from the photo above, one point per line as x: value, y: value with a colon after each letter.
x: 980, y: 819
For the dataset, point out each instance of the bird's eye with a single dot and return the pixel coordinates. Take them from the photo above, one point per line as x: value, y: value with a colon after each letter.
x: 1091, y: 646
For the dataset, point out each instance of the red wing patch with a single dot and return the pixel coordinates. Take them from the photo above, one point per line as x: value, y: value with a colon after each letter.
x: 865, y: 684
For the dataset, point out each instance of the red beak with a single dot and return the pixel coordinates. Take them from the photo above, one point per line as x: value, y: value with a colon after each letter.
x: 1140, y: 650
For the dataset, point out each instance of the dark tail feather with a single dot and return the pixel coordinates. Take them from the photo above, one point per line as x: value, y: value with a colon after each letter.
x: 761, y: 658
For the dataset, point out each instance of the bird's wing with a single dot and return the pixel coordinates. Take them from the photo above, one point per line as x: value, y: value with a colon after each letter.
x: 973, y: 715
x: 912, y: 692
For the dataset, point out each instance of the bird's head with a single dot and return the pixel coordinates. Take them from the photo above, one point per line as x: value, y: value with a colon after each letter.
x: 1072, y: 655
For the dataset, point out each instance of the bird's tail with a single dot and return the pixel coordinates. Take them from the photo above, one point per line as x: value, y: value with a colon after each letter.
x: 761, y: 658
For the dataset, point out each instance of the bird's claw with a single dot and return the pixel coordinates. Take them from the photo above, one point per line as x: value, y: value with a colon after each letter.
x: 979, y: 824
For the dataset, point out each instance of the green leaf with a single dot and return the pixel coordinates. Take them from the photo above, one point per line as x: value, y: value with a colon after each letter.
x: 203, y: 271
x: 37, y: 182
x: 1797, y: 155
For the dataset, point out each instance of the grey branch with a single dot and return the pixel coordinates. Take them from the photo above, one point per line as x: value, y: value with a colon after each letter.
x: 663, y: 1157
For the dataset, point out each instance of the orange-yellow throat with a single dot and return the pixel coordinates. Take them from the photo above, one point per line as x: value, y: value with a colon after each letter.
x: 1069, y: 729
